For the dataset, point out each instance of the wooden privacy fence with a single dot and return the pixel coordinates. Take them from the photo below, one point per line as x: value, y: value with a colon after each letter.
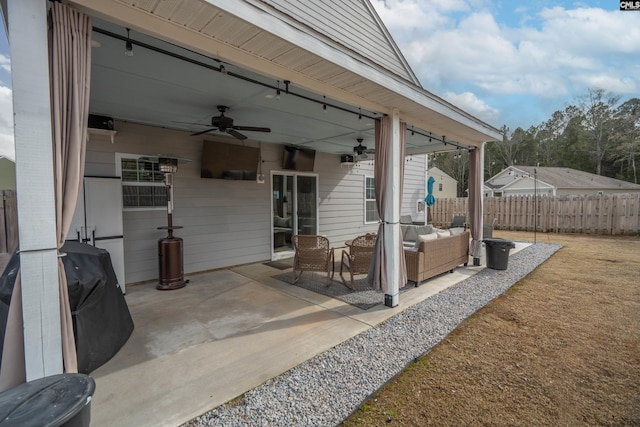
x: 593, y: 214
x: 8, y: 221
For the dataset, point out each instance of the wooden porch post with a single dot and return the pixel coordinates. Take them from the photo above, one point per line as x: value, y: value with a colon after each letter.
x: 27, y: 33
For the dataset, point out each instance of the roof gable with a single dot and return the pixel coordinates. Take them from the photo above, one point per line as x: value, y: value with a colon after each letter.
x: 526, y: 182
x: 573, y: 178
x: 353, y: 24
x: 437, y: 172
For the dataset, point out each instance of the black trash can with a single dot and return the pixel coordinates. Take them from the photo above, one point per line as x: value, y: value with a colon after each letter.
x: 498, y: 253
x: 57, y: 400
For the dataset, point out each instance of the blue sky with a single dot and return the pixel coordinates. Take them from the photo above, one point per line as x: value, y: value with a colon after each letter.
x: 506, y: 62
x: 515, y: 63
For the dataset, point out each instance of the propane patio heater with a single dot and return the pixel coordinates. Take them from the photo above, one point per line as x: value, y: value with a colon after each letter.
x: 170, y: 266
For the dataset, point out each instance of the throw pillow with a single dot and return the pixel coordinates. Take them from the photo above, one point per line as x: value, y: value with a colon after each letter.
x: 456, y: 230
x: 443, y: 233
x: 279, y: 221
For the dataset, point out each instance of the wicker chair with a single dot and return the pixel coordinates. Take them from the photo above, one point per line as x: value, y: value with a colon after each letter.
x: 458, y: 221
x: 312, y: 253
x: 358, y: 259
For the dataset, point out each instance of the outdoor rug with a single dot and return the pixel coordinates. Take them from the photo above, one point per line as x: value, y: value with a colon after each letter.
x: 280, y: 265
x: 364, y: 296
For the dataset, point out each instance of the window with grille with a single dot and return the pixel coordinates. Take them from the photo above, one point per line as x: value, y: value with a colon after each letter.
x: 370, y: 205
x: 143, y: 185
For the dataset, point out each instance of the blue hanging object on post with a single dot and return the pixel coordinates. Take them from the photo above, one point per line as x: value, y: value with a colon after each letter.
x: 430, y: 200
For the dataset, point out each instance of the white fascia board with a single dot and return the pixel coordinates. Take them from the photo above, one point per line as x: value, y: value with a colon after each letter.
x: 539, y: 184
x: 499, y: 174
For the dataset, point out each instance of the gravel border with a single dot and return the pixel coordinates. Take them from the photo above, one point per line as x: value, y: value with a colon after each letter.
x: 329, y: 387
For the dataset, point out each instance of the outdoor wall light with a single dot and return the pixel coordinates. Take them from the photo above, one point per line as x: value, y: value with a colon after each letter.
x: 128, y: 46
x: 168, y: 165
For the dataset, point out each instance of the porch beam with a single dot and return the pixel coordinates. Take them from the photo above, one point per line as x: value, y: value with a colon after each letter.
x: 27, y: 23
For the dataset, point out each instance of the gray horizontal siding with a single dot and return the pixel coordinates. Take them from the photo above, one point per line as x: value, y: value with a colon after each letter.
x: 229, y: 222
x: 349, y: 23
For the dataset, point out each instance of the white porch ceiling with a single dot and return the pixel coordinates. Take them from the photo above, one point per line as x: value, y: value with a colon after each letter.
x: 157, y: 89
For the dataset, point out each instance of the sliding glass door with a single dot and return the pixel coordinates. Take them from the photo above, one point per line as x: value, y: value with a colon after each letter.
x: 294, y: 210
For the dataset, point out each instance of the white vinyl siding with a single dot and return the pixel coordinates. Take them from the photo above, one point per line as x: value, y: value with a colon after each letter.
x: 352, y: 24
x: 227, y: 222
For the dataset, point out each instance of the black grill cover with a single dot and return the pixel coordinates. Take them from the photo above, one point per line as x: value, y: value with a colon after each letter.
x: 102, y: 323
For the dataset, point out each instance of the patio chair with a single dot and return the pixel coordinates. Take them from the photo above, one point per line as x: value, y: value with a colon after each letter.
x: 458, y: 221
x: 312, y: 253
x: 358, y: 259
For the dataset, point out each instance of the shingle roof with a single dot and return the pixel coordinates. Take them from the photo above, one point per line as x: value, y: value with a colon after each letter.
x: 573, y: 178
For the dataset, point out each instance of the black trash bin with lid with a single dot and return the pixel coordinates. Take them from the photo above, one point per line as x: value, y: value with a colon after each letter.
x: 498, y: 253
x: 57, y: 400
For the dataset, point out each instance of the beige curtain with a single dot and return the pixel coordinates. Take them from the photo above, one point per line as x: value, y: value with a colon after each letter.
x: 12, y: 371
x: 475, y: 202
x: 378, y: 270
x: 70, y: 68
x: 70, y: 59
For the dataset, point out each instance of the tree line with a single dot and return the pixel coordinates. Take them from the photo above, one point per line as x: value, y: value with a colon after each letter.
x: 596, y: 134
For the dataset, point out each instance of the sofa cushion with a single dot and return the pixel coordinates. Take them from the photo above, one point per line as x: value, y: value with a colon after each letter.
x: 443, y: 233
x: 406, y: 219
x: 423, y: 229
x: 403, y: 230
x: 424, y: 238
x: 456, y: 230
x: 411, y: 234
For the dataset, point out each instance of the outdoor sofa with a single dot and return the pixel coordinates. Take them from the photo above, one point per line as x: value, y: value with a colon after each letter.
x: 436, y: 253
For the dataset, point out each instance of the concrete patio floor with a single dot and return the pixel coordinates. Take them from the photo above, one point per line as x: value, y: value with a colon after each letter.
x: 225, y: 333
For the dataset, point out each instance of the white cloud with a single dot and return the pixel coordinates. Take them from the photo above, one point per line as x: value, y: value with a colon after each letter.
x: 5, y: 63
x: 472, y: 104
x: 7, y: 148
x: 553, y: 53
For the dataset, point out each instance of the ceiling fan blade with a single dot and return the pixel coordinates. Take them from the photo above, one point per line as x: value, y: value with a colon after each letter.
x: 202, y: 132
x: 190, y: 123
x: 252, y: 129
x: 236, y: 134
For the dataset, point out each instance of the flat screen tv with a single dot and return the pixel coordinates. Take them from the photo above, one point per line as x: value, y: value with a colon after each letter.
x: 229, y: 161
x: 298, y: 159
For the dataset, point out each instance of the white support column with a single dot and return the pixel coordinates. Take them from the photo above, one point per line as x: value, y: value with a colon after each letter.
x: 27, y: 21
x: 392, y: 214
x: 476, y: 260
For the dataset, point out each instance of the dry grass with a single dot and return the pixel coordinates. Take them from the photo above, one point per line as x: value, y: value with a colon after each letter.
x: 561, y: 348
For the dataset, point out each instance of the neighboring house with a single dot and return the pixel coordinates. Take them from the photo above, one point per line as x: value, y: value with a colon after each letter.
x: 445, y: 186
x: 292, y: 73
x: 7, y: 174
x: 553, y: 181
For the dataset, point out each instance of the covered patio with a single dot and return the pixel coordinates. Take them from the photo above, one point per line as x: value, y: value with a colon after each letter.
x: 190, y: 56
x: 204, y: 345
